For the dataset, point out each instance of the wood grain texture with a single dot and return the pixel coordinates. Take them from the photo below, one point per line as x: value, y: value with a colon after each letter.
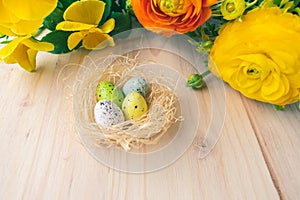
x: 278, y: 133
x: 257, y: 156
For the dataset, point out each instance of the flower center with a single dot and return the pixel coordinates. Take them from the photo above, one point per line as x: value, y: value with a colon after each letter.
x: 252, y: 71
x: 230, y: 7
x: 174, y: 7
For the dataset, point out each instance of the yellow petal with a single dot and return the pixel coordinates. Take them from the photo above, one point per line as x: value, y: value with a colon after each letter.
x: 38, y: 46
x: 108, y: 26
x: 32, y: 59
x: 25, y: 57
x: 97, y: 40
x: 88, y: 12
x: 30, y: 9
x: 75, y: 38
x: 6, y: 31
x: 6, y: 16
x: 10, y: 47
x: 73, y: 26
x: 10, y: 60
x: 25, y: 27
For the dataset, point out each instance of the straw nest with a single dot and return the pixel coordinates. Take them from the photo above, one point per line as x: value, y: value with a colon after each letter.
x: 164, y: 109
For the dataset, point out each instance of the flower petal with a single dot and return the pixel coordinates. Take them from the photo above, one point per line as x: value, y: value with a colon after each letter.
x: 6, y: 16
x: 38, y: 46
x: 88, y: 12
x: 97, y: 40
x: 29, y: 9
x: 73, y: 26
x: 24, y: 27
x: 32, y: 59
x: 25, y: 57
x: 75, y: 38
x: 108, y: 26
x: 6, y: 31
x: 10, y: 47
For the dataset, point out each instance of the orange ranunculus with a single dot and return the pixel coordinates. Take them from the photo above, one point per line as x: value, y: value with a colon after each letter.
x: 169, y: 17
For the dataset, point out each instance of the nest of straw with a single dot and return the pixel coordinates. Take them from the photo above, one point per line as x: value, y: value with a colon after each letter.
x: 132, y: 134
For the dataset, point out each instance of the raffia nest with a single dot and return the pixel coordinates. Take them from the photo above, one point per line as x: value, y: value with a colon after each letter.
x: 162, y: 103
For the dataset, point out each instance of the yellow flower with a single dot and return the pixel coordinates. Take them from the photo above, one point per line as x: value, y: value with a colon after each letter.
x: 260, y: 56
x: 232, y: 9
x: 23, y: 50
x: 84, y: 17
x: 23, y: 17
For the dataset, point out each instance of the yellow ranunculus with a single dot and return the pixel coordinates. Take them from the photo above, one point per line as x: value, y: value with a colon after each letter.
x: 260, y: 56
x: 23, y: 50
x: 23, y: 17
x: 86, y: 25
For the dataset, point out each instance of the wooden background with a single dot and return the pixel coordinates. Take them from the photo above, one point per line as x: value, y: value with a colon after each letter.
x: 257, y: 156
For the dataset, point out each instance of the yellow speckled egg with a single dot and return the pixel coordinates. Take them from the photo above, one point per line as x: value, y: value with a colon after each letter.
x: 134, y: 106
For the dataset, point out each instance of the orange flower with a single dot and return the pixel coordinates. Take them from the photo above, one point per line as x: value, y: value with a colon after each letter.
x: 169, y: 17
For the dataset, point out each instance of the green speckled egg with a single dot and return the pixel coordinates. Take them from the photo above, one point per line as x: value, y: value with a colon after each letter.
x: 107, y: 91
x: 134, y: 106
x: 104, y: 90
x: 117, y: 97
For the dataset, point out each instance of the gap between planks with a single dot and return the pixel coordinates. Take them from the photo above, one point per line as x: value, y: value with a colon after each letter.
x: 265, y: 154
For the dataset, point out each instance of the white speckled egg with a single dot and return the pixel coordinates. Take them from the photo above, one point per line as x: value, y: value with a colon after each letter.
x: 107, y: 113
x: 134, y: 106
x: 136, y: 84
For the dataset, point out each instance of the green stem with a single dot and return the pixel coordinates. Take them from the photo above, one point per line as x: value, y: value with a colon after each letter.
x: 251, y: 4
x: 5, y: 42
x: 205, y: 73
x: 216, y: 15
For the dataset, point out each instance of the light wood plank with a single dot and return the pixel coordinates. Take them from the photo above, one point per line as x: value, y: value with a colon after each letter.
x: 42, y: 157
x: 278, y: 133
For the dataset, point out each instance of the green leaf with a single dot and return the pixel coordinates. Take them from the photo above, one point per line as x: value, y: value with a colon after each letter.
x: 5, y: 41
x: 60, y: 40
x: 2, y: 35
x: 283, y: 2
x: 287, y: 6
x: 123, y: 22
x: 277, y: 107
x: 118, y: 5
x: 107, y: 11
x: 65, y: 3
x: 297, y: 10
x: 277, y: 2
x: 53, y: 19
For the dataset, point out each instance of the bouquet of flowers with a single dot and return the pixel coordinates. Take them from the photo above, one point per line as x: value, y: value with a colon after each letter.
x: 253, y: 46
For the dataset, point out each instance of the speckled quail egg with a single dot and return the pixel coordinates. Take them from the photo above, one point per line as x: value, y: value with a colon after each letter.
x: 134, y: 106
x: 108, y: 91
x: 136, y: 84
x: 107, y: 113
x: 117, y: 97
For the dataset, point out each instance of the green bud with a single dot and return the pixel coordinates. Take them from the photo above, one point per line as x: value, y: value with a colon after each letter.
x: 195, y: 81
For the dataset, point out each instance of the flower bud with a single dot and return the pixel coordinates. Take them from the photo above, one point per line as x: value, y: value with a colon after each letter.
x: 195, y: 81
x: 232, y: 9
